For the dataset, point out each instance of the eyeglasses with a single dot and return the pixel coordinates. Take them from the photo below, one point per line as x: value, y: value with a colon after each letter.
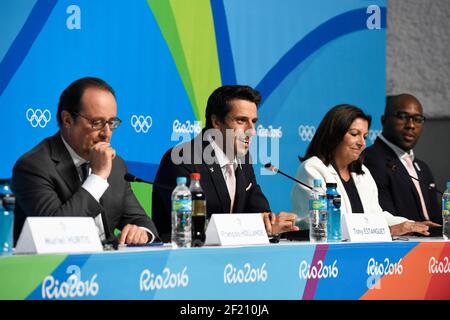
x: 405, y: 117
x: 98, y: 124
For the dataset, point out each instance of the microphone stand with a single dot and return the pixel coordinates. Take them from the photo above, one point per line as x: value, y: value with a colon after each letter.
x: 132, y: 178
x: 272, y: 168
x: 300, y: 235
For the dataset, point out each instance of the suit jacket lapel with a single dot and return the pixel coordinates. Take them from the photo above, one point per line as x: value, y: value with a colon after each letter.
x: 408, y: 180
x: 403, y: 175
x: 64, y: 163
x: 220, y: 186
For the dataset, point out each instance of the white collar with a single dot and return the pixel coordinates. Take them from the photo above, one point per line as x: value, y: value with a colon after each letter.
x: 77, y: 160
x: 220, y: 155
x: 398, y: 151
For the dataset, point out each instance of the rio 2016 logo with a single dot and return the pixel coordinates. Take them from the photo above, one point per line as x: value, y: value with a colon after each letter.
x: 248, y: 274
x: 318, y: 271
x: 73, y: 287
x: 375, y: 268
x: 187, y: 127
x: 168, y: 280
x: 438, y: 266
x: 269, y: 132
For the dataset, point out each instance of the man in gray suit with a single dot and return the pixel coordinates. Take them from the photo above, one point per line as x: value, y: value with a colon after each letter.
x: 76, y: 172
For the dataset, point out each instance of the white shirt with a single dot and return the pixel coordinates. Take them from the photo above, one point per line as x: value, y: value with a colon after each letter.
x: 222, y: 158
x: 96, y: 186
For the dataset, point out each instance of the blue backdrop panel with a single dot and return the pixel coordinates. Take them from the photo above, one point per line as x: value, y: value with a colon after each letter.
x: 304, y: 57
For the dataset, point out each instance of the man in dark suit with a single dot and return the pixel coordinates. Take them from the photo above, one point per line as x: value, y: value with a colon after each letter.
x: 220, y: 154
x: 391, y: 161
x: 76, y: 172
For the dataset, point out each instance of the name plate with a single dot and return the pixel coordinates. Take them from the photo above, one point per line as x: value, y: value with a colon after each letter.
x: 367, y: 227
x: 236, y: 229
x: 58, y: 235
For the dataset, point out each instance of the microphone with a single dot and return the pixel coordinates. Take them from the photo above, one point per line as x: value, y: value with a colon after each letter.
x: 272, y: 168
x: 132, y: 178
x: 300, y: 235
x: 393, y: 168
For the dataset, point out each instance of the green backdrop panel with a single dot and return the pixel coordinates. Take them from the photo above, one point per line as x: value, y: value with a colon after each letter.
x: 29, y: 271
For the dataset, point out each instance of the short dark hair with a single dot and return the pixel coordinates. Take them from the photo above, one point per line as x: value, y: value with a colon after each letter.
x: 218, y: 102
x: 331, y: 131
x: 70, y: 99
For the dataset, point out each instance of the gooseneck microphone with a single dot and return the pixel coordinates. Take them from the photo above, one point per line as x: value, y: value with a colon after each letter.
x: 300, y: 235
x: 272, y: 168
x: 393, y: 168
x: 132, y: 178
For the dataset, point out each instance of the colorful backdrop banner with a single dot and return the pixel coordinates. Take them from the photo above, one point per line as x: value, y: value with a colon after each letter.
x: 164, y: 58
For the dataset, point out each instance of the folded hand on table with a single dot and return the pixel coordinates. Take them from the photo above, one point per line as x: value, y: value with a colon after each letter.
x: 279, y: 223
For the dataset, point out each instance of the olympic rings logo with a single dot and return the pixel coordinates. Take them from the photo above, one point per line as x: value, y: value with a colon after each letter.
x: 306, y: 133
x: 141, y: 123
x: 38, y: 117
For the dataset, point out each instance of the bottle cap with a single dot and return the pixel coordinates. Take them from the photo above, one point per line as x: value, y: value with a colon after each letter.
x: 448, y: 184
x: 195, y: 176
x: 331, y: 185
x: 317, y: 182
x: 181, y: 180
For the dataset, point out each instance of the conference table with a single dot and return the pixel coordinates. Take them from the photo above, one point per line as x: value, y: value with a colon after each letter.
x: 414, y: 268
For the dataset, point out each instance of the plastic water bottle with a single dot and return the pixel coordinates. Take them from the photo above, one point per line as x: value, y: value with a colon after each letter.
x: 446, y: 213
x: 7, y: 202
x: 181, y: 214
x: 198, y: 211
x: 334, y: 213
x: 318, y: 213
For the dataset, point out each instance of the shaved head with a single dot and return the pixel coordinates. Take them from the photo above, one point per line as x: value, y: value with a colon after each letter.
x: 394, y: 103
x: 402, y: 120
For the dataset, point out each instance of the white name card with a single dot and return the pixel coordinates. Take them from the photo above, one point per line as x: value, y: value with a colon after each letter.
x: 58, y: 235
x: 236, y: 229
x: 367, y: 227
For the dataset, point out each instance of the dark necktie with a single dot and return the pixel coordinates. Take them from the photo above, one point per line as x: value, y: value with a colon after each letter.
x: 84, y: 171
